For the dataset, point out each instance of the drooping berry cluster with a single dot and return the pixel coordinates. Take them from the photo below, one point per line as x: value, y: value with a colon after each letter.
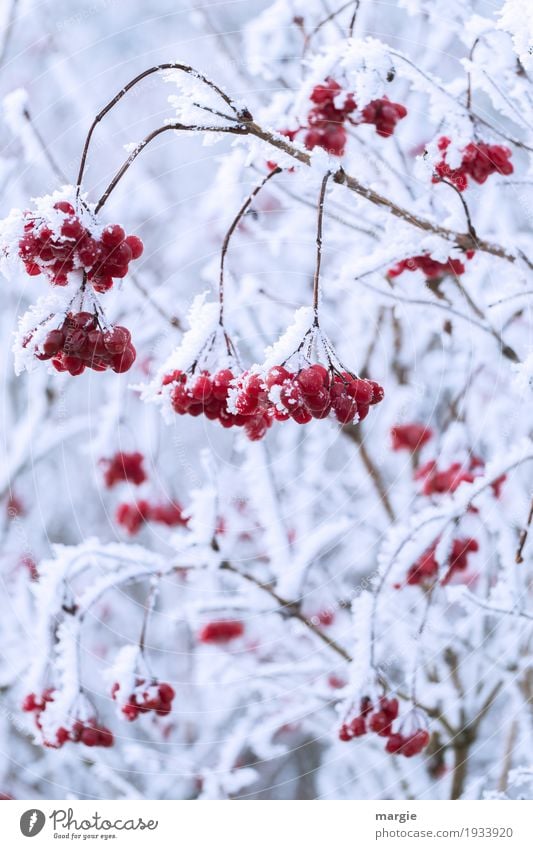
x: 124, y: 466
x: 437, y: 481
x: 133, y: 516
x: 207, y: 394
x: 88, y: 732
x: 479, y: 161
x: 384, y: 115
x: 81, y: 343
x: 410, y: 437
x: 440, y: 481
x: 326, y: 118
x: 62, y: 244
x: 408, y: 745
x: 334, y: 108
x: 428, y: 266
x: 379, y: 719
x: 221, y: 631
x: 255, y: 401
x: 313, y: 392
x: 37, y: 704
x: 146, y: 697
x: 426, y: 568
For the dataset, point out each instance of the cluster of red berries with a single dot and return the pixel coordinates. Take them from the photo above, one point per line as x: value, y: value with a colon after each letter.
x: 378, y: 719
x: 56, y: 249
x: 88, y: 732
x: 426, y: 567
x: 410, y: 437
x: 384, y: 115
x: 255, y: 402
x: 37, y: 704
x: 80, y: 343
x: 310, y: 393
x: 440, y: 481
x: 124, y: 466
x: 437, y: 482
x: 326, y: 119
x: 479, y: 161
x: 133, y: 516
x: 428, y: 266
x: 333, y: 107
x: 207, y: 394
x: 221, y: 631
x: 371, y: 719
x: 407, y: 745
x: 155, y: 696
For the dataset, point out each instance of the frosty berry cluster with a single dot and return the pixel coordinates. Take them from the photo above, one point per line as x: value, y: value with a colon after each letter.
x: 437, y: 481
x: 410, y: 437
x: 62, y: 243
x: 334, y: 108
x: 431, y: 268
x: 88, y: 732
x: 378, y: 719
x: 254, y: 401
x: 221, y: 631
x: 146, y: 697
x: 81, y: 343
x: 132, y: 517
x: 207, y: 394
x: 479, y: 161
x: 426, y: 568
x: 124, y: 466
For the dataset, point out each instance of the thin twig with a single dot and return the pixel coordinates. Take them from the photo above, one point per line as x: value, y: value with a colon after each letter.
x: 320, y: 219
x: 165, y: 66
x: 8, y: 31
x: 523, y: 536
x: 234, y: 224
x: 290, y: 608
x: 354, y: 433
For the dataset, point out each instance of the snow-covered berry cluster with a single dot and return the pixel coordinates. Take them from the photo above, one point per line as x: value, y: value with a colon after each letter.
x: 327, y: 117
x: 378, y: 719
x: 384, y: 115
x: 426, y: 568
x: 313, y: 392
x: 437, y: 481
x: 60, y: 242
x: 154, y: 696
x: 410, y: 437
x: 132, y: 517
x: 207, y: 394
x: 479, y: 161
x: 221, y: 631
x: 428, y: 266
x: 408, y: 745
x: 255, y: 400
x: 123, y: 466
x: 334, y: 108
x: 88, y: 732
x: 80, y: 342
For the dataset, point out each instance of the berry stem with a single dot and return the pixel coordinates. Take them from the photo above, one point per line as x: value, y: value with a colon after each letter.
x: 523, y: 536
x: 148, y: 608
x: 165, y: 66
x: 320, y: 219
x: 234, y: 224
